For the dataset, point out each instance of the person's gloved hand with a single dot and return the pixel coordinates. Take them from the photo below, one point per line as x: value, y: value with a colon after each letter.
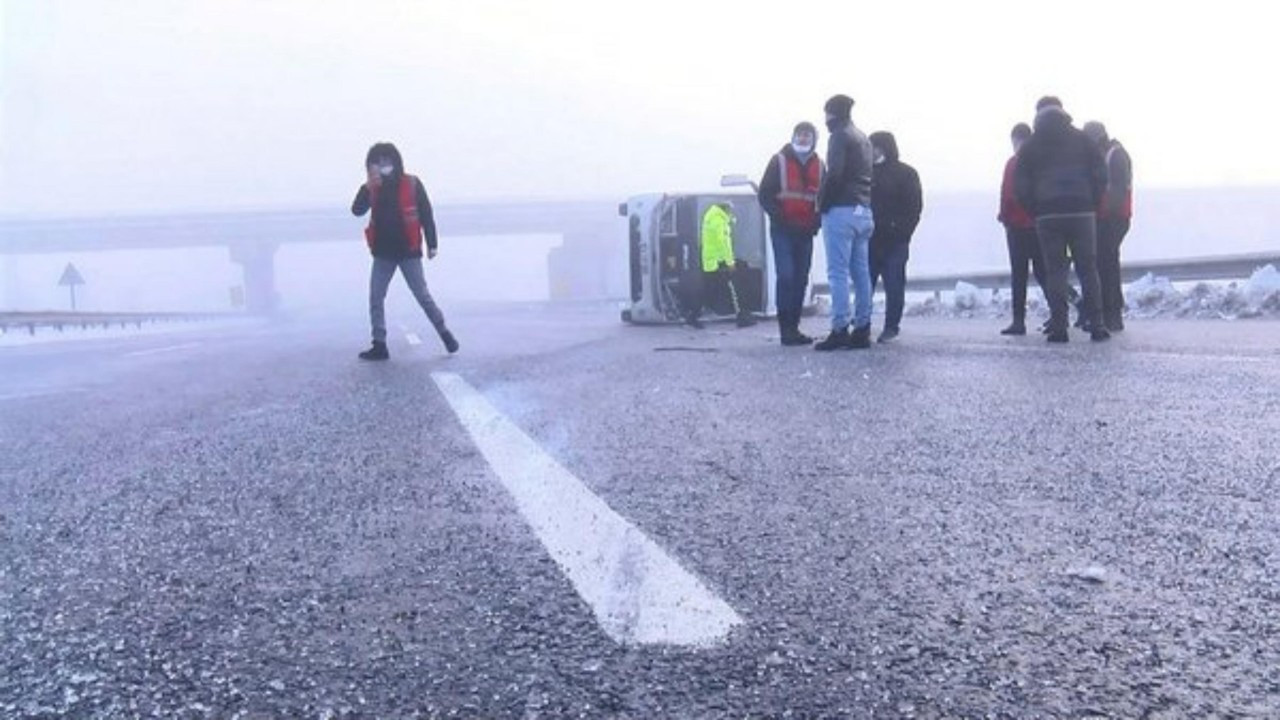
x: 431, y: 253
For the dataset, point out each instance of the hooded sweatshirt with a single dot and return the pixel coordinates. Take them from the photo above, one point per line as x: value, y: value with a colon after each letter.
x: 896, y: 196
x: 1059, y: 170
x: 389, y: 239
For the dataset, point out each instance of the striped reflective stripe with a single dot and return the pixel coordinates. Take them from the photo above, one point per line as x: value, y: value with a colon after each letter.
x: 787, y: 193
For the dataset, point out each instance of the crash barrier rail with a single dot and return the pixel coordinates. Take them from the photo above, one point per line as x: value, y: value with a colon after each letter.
x: 61, y: 321
x: 1221, y: 267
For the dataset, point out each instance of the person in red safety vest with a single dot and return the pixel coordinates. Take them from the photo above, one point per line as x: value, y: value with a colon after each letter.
x: 1115, y: 212
x: 401, y: 218
x: 788, y: 193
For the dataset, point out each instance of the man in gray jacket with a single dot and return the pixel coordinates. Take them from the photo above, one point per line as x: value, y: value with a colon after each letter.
x: 844, y: 200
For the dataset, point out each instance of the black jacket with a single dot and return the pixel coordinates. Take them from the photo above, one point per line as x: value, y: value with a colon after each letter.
x: 896, y: 196
x: 1060, y: 170
x: 389, y: 240
x: 771, y: 185
x: 848, y: 179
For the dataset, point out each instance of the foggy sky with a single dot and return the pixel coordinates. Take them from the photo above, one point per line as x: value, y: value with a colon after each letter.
x: 168, y: 105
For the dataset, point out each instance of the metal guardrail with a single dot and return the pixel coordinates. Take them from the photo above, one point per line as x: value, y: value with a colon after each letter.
x: 1222, y: 267
x: 32, y: 321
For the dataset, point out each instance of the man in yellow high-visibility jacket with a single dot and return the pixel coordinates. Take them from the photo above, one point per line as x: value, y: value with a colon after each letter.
x: 718, y: 263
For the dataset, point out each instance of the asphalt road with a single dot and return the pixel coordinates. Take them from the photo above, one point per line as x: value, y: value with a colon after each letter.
x: 248, y: 522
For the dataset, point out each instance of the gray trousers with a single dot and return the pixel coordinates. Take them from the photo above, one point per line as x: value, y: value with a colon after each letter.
x: 380, y: 278
x: 1077, y: 233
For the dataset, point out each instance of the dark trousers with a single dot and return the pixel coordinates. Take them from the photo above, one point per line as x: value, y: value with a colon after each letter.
x: 889, y: 261
x: 792, y: 258
x: 1024, y: 250
x: 712, y: 290
x: 1077, y: 233
x: 1111, y: 233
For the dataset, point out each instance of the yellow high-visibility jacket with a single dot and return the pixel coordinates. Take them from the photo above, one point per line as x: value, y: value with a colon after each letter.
x: 717, y: 238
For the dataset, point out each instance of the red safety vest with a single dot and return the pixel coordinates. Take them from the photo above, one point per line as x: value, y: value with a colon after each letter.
x: 408, y: 210
x: 799, y: 192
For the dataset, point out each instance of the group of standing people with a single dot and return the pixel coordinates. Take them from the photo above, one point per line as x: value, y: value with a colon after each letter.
x: 1067, y: 198
x: 866, y: 202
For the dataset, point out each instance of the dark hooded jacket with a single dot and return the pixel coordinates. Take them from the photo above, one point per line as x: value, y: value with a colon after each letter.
x: 1059, y: 169
x: 389, y: 239
x: 896, y: 196
x: 848, y: 178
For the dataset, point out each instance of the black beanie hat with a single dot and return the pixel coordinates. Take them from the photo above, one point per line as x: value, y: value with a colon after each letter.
x: 1048, y: 101
x: 839, y: 105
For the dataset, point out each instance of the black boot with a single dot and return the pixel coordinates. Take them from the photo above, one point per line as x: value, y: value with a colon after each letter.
x: 746, y: 320
x: 837, y: 340
x: 450, y: 342
x: 789, y: 329
x: 1018, y: 327
x: 377, y: 352
x: 860, y: 338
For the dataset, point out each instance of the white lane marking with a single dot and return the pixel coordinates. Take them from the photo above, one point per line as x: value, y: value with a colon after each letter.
x: 413, y: 338
x: 167, y: 349
x: 639, y: 593
x: 40, y: 393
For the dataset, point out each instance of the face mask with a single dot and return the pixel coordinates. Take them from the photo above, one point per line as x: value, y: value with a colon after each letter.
x: 879, y: 158
x: 385, y: 170
x: 802, y: 150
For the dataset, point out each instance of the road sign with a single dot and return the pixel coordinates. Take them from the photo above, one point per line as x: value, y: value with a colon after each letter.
x: 70, y: 279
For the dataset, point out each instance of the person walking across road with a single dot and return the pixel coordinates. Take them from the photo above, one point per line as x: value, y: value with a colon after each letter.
x: 400, y: 219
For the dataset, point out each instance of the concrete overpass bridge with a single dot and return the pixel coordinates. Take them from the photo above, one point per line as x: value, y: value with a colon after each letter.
x: 593, y: 237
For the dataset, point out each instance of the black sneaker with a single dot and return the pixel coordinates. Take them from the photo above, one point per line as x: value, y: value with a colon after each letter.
x: 837, y: 340
x: 450, y: 342
x: 796, y: 338
x: 745, y: 320
x: 1115, y: 326
x: 1016, y: 328
x: 1099, y: 334
x: 887, y: 334
x: 1057, y: 336
x: 377, y: 352
x: 694, y: 323
x: 860, y: 338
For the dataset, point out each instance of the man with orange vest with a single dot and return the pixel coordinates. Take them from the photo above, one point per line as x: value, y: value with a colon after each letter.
x: 1115, y: 212
x: 401, y: 218
x: 788, y: 193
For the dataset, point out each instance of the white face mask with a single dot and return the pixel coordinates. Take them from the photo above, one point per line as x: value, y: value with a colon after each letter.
x: 878, y: 157
x: 385, y: 170
x: 800, y: 149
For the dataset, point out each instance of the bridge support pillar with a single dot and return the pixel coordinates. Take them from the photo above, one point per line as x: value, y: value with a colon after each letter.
x: 259, y: 262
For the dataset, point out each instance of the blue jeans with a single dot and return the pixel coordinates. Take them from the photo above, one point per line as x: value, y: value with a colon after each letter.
x: 890, y: 262
x: 792, y: 257
x: 846, y: 231
x: 380, y: 277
